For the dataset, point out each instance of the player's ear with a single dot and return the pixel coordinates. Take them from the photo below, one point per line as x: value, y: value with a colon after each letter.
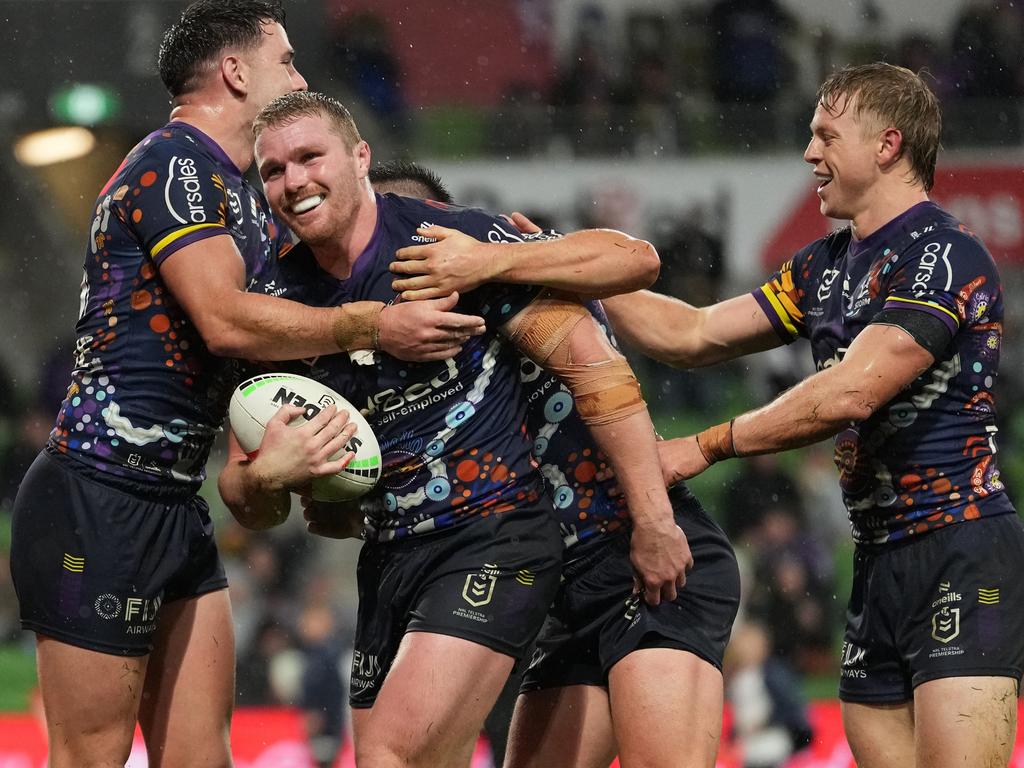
x: 235, y: 74
x: 890, y: 146
x: 363, y: 157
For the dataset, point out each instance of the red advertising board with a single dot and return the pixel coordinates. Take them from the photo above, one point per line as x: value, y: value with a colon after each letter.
x: 273, y: 738
x: 988, y: 199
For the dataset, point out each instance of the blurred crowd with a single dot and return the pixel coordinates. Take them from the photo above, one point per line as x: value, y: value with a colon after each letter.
x: 728, y: 75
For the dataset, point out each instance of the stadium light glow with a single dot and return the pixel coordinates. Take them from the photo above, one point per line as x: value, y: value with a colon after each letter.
x: 54, y: 145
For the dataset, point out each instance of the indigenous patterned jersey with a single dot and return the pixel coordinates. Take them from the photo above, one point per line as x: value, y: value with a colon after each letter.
x: 927, y: 458
x: 569, y: 457
x: 146, y: 396
x: 452, y: 433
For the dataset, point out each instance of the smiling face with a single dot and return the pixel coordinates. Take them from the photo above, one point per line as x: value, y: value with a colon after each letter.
x: 845, y: 152
x: 315, y: 183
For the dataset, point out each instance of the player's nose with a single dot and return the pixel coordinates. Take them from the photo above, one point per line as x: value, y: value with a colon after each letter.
x: 299, y: 82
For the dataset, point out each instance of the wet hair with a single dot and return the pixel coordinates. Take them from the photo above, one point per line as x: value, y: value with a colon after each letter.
x: 406, y: 178
x: 891, y: 96
x: 292, y: 106
x: 205, y: 29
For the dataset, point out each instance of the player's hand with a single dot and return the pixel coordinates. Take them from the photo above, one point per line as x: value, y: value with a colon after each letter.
x: 660, y: 556
x: 681, y: 459
x: 455, y: 262
x: 523, y: 224
x: 341, y: 520
x: 420, y: 331
x: 289, y: 457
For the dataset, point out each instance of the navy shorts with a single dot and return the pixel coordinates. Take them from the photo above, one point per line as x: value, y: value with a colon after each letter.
x: 489, y: 581
x: 596, y: 619
x: 947, y: 604
x: 92, y: 564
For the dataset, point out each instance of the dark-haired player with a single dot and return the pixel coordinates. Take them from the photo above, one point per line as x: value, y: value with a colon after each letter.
x: 113, y: 557
x: 903, y: 310
x: 462, y: 554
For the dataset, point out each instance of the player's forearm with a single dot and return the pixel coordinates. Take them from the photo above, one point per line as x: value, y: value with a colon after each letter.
x: 257, y: 327
x: 661, y: 327
x: 254, y: 500
x: 817, y: 408
x: 630, y: 447
x: 593, y: 263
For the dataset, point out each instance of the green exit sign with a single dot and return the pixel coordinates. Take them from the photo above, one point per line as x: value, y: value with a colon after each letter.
x: 84, y: 104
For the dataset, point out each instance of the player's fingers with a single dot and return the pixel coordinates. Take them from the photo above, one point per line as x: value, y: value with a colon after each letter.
x: 446, y: 303
x: 409, y: 266
x: 334, y: 467
x: 455, y: 321
x: 336, y: 443
x: 638, y: 585
x: 412, y: 253
x: 668, y: 591
x: 424, y: 294
x: 652, y: 595
x: 435, y: 231
x: 415, y: 282
x: 285, y: 414
x: 523, y: 224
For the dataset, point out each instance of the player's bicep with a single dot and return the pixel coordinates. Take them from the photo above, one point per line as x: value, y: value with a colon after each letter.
x: 883, y: 360
x: 205, y: 278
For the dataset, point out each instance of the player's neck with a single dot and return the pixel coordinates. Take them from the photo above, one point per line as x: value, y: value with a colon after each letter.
x: 227, y: 127
x: 338, y: 256
x: 887, y: 202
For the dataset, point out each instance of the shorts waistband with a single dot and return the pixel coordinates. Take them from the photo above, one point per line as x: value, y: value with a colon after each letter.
x: 146, y: 491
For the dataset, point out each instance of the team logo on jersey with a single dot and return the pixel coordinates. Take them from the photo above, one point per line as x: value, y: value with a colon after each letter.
x: 853, y: 660
x: 479, y: 587
x: 828, y: 277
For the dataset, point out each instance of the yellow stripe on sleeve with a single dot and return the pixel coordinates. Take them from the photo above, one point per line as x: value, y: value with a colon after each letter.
x: 784, y: 316
x: 955, y: 317
x: 178, y: 233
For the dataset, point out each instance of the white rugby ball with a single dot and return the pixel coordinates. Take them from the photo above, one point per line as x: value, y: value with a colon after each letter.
x: 256, y: 401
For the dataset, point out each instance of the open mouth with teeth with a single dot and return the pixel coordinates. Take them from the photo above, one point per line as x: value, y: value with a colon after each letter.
x: 307, y: 204
x: 823, y: 181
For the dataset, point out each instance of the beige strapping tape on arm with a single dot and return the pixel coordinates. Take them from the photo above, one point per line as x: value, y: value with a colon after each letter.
x: 604, y: 391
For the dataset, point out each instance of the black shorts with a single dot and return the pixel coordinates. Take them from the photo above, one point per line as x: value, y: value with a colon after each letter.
x: 93, y: 564
x: 949, y: 604
x: 597, y: 620
x: 489, y: 581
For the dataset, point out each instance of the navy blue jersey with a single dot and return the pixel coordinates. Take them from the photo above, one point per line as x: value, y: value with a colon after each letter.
x: 569, y: 456
x: 146, y: 396
x: 452, y: 433
x: 928, y: 458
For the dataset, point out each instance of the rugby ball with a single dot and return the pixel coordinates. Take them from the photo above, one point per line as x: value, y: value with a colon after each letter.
x: 256, y: 401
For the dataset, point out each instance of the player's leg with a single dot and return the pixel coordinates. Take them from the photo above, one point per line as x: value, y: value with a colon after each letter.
x: 947, y: 714
x: 666, y: 708
x: 569, y: 726
x: 190, y: 686
x: 433, y: 702
x: 880, y: 735
x: 88, y: 724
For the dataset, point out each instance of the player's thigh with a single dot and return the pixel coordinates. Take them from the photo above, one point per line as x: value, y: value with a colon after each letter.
x: 88, y: 723
x: 433, y: 702
x: 880, y: 735
x: 666, y: 708
x: 570, y: 726
x: 947, y: 716
x: 190, y: 685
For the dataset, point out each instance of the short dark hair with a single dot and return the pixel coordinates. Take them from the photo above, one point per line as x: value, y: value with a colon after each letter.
x: 404, y: 177
x: 896, y: 97
x: 292, y: 106
x: 206, y: 28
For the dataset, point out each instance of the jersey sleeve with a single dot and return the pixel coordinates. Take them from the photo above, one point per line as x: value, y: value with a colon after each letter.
x: 936, y: 277
x: 172, y: 197
x: 498, y: 303
x: 782, y: 298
